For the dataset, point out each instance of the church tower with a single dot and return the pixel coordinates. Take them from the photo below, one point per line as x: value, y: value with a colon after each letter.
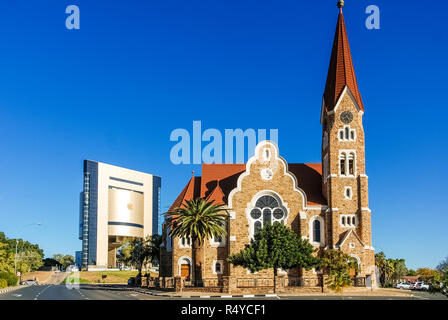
x: 344, y: 179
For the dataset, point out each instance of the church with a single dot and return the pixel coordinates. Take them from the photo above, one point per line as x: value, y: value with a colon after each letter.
x: 326, y: 203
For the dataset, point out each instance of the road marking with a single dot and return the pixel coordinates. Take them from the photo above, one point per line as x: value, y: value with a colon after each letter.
x: 271, y: 295
x: 248, y: 296
x: 204, y: 297
x: 226, y: 296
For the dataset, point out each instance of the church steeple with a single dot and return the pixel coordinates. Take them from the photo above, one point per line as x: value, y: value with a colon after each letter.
x: 341, y: 72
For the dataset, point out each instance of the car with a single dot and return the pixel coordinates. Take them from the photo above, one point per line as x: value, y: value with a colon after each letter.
x: 420, y: 286
x: 29, y: 282
x: 403, y: 285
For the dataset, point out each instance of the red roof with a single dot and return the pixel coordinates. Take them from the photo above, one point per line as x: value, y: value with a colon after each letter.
x: 191, y: 191
x: 341, y: 72
x: 218, y: 180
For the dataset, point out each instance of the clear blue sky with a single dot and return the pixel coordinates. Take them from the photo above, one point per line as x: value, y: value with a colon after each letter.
x: 115, y: 89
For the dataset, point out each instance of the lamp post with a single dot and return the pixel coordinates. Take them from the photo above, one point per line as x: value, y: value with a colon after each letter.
x: 17, y: 241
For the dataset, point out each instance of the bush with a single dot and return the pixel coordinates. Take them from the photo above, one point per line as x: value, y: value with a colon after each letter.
x: 10, y: 278
x: 3, y: 283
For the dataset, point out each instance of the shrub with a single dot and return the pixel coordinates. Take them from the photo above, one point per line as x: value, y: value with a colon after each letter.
x: 10, y: 278
x: 3, y: 283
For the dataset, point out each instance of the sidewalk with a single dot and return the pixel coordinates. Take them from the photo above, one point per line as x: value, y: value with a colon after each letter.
x: 346, y: 292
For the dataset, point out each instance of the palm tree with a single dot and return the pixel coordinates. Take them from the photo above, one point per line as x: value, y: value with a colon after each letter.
x: 197, y: 219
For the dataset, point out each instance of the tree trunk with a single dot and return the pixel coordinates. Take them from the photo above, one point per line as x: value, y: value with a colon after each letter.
x: 197, y: 262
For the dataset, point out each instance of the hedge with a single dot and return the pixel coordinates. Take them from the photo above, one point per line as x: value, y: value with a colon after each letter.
x: 3, y: 283
x: 11, y: 278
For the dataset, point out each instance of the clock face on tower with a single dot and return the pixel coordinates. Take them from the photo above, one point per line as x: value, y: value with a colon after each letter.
x: 346, y: 117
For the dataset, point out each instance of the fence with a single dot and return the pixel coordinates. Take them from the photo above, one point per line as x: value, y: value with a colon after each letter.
x: 254, y: 282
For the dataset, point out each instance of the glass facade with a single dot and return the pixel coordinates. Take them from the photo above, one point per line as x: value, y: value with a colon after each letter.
x: 156, y: 185
x: 90, y: 213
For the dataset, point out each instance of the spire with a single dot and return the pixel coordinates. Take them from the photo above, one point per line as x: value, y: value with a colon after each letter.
x: 341, y: 72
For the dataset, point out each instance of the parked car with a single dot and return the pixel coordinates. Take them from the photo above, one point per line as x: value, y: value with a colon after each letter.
x: 403, y: 285
x: 420, y: 286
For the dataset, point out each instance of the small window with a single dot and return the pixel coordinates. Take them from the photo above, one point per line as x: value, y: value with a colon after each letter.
x: 353, y: 221
x: 267, y: 154
x: 348, y: 193
x: 343, y: 220
x: 347, y: 134
x: 316, y: 231
x: 351, y: 164
x: 343, y: 165
x: 218, y: 267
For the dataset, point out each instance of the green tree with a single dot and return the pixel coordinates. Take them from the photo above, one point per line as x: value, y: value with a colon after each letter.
x: 64, y: 260
x: 28, y: 258
x: 275, y: 247
x: 338, y: 265
x: 68, y: 260
x: 386, y: 268
x: 6, y: 258
x: 199, y: 220
x: 426, y: 274
x: 29, y: 261
x: 400, y: 270
x: 58, y: 257
x: 411, y: 273
x: 145, y: 250
x: 124, y: 254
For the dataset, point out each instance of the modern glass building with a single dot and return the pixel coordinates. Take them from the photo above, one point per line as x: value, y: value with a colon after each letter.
x: 116, y: 205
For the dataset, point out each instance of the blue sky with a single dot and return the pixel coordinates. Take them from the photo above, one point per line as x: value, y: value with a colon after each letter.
x: 136, y: 70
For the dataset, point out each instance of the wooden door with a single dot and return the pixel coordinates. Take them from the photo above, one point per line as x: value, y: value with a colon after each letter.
x: 185, y: 271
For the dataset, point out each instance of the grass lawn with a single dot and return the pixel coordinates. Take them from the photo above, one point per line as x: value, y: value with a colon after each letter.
x: 111, y: 276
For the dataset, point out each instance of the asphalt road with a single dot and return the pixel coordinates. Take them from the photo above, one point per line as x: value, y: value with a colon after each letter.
x: 84, y: 292
x: 122, y: 292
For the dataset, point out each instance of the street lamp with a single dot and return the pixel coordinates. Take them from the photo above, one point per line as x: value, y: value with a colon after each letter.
x: 17, y: 240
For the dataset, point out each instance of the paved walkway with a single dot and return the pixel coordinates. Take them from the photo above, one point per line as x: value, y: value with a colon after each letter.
x: 349, y: 292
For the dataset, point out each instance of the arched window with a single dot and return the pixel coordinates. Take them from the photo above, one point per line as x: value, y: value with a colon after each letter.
x: 316, y: 231
x: 347, y: 163
x: 267, y: 210
x: 351, y: 164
